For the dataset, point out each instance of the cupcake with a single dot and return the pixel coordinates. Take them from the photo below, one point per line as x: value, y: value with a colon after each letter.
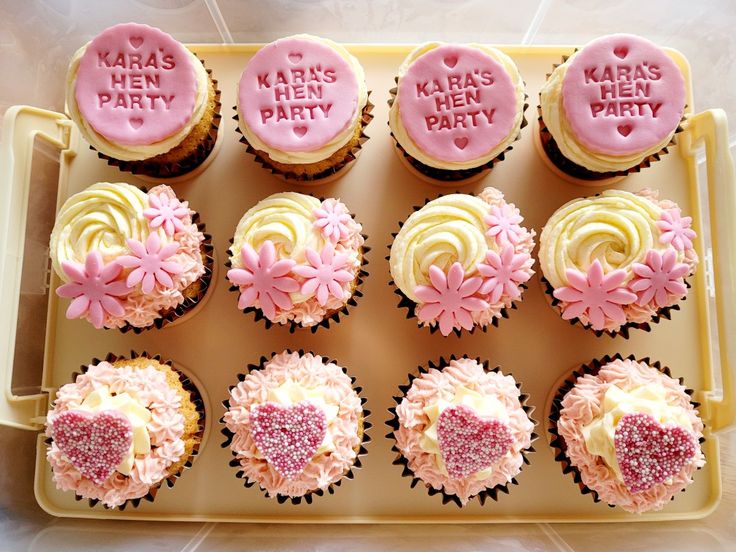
x: 302, y: 105
x: 297, y: 260
x: 461, y: 261
x: 611, y: 108
x: 295, y: 425
x: 456, y: 110
x: 462, y: 430
x: 143, y: 101
x: 628, y: 433
x: 130, y: 259
x: 617, y: 260
x: 122, y: 429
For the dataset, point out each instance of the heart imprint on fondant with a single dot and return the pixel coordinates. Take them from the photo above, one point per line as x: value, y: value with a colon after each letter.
x: 95, y: 444
x: 300, y: 131
x: 288, y: 436
x: 649, y: 453
x: 135, y: 122
x: 621, y: 52
x: 460, y: 143
x: 624, y: 130
x: 136, y: 41
x: 450, y: 61
x: 469, y: 443
x: 295, y: 57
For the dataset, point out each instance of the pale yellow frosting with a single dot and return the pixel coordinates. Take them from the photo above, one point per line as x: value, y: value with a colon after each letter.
x: 615, y: 227
x: 314, y: 156
x: 129, y: 152
x: 446, y: 230
x: 394, y: 119
x: 486, y: 406
x: 100, y: 218
x: 138, y: 416
x: 554, y: 118
x: 647, y: 399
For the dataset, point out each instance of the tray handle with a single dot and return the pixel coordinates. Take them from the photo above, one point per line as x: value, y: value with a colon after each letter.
x: 711, y: 127
x: 21, y: 125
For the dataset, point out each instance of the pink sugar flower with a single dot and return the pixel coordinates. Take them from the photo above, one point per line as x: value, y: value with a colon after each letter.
x: 676, y: 229
x: 503, y: 274
x: 264, y: 279
x: 332, y: 220
x: 503, y: 224
x: 660, y: 276
x: 450, y: 298
x: 167, y: 212
x: 149, y: 263
x: 325, y: 274
x: 596, y: 295
x: 93, y: 288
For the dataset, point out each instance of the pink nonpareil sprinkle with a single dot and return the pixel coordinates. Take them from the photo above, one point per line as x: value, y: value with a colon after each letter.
x: 288, y: 436
x: 95, y: 444
x: 469, y: 443
x: 649, y: 453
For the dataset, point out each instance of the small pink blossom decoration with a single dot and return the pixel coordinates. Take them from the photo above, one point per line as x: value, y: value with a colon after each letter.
x: 503, y: 274
x: 264, y: 279
x: 325, y: 274
x: 332, y: 220
x: 149, y: 263
x: 599, y: 297
x: 167, y: 212
x: 660, y: 276
x: 93, y: 288
x: 503, y: 224
x: 450, y: 298
x: 676, y: 229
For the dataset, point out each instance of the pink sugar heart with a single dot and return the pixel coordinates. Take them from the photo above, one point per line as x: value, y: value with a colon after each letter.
x: 469, y: 443
x: 300, y: 131
x: 450, y: 61
x: 624, y: 130
x: 461, y: 142
x: 621, y: 52
x: 648, y: 453
x: 135, y: 122
x: 136, y: 41
x: 295, y: 57
x: 95, y: 444
x: 288, y: 436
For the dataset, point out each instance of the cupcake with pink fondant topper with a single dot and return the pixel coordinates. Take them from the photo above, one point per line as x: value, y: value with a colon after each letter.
x: 627, y: 431
x: 618, y: 260
x: 302, y: 107
x: 295, y: 424
x: 456, y: 110
x: 611, y: 108
x: 130, y: 259
x: 462, y: 429
x: 462, y: 261
x: 296, y: 260
x: 122, y: 428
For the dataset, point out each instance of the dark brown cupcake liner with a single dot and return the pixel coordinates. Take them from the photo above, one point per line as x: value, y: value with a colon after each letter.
x: 196, y: 399
x: 448, y: 176
x: 557, y: 442
x: 309, y: 496
x: 184, y: 308
x: 334, y: 171
x: 151, y: 168
x: 400, y: 459
x: 662, y: 313
x: 411, y: 306
x: 555, y: 156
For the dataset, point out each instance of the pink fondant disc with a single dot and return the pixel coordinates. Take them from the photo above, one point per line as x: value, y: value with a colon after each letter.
x: 298, y: 94
x: 136, y: 85
x: 457, y: 103
x: 622, y: 94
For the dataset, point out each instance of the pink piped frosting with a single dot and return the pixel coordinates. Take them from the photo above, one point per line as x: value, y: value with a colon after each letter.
x: 166, y: 428
x: 436, y: 385
x: 136, y: 85
x: 311, y: 372
x: 582, y: 405
x: 622, y: 94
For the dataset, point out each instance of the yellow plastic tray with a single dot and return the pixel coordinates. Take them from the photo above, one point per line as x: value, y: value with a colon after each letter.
x: 375, y: 342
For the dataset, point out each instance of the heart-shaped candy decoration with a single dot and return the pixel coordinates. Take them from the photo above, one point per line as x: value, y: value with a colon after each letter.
x: 450, y: 61
x: 648, y: 453
x: 621, y: 52
x: 295, y: 57
x: 288, y: 436
x: 135, y: 122
x: 136, y: 41
x: 300, y: 131
x: 624, y: 130
x: 460, y: 143
x: 469, y: 443
x: 95, y: 444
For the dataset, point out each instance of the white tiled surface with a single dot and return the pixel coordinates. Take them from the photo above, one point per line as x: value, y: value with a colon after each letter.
x: 36, y: 39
